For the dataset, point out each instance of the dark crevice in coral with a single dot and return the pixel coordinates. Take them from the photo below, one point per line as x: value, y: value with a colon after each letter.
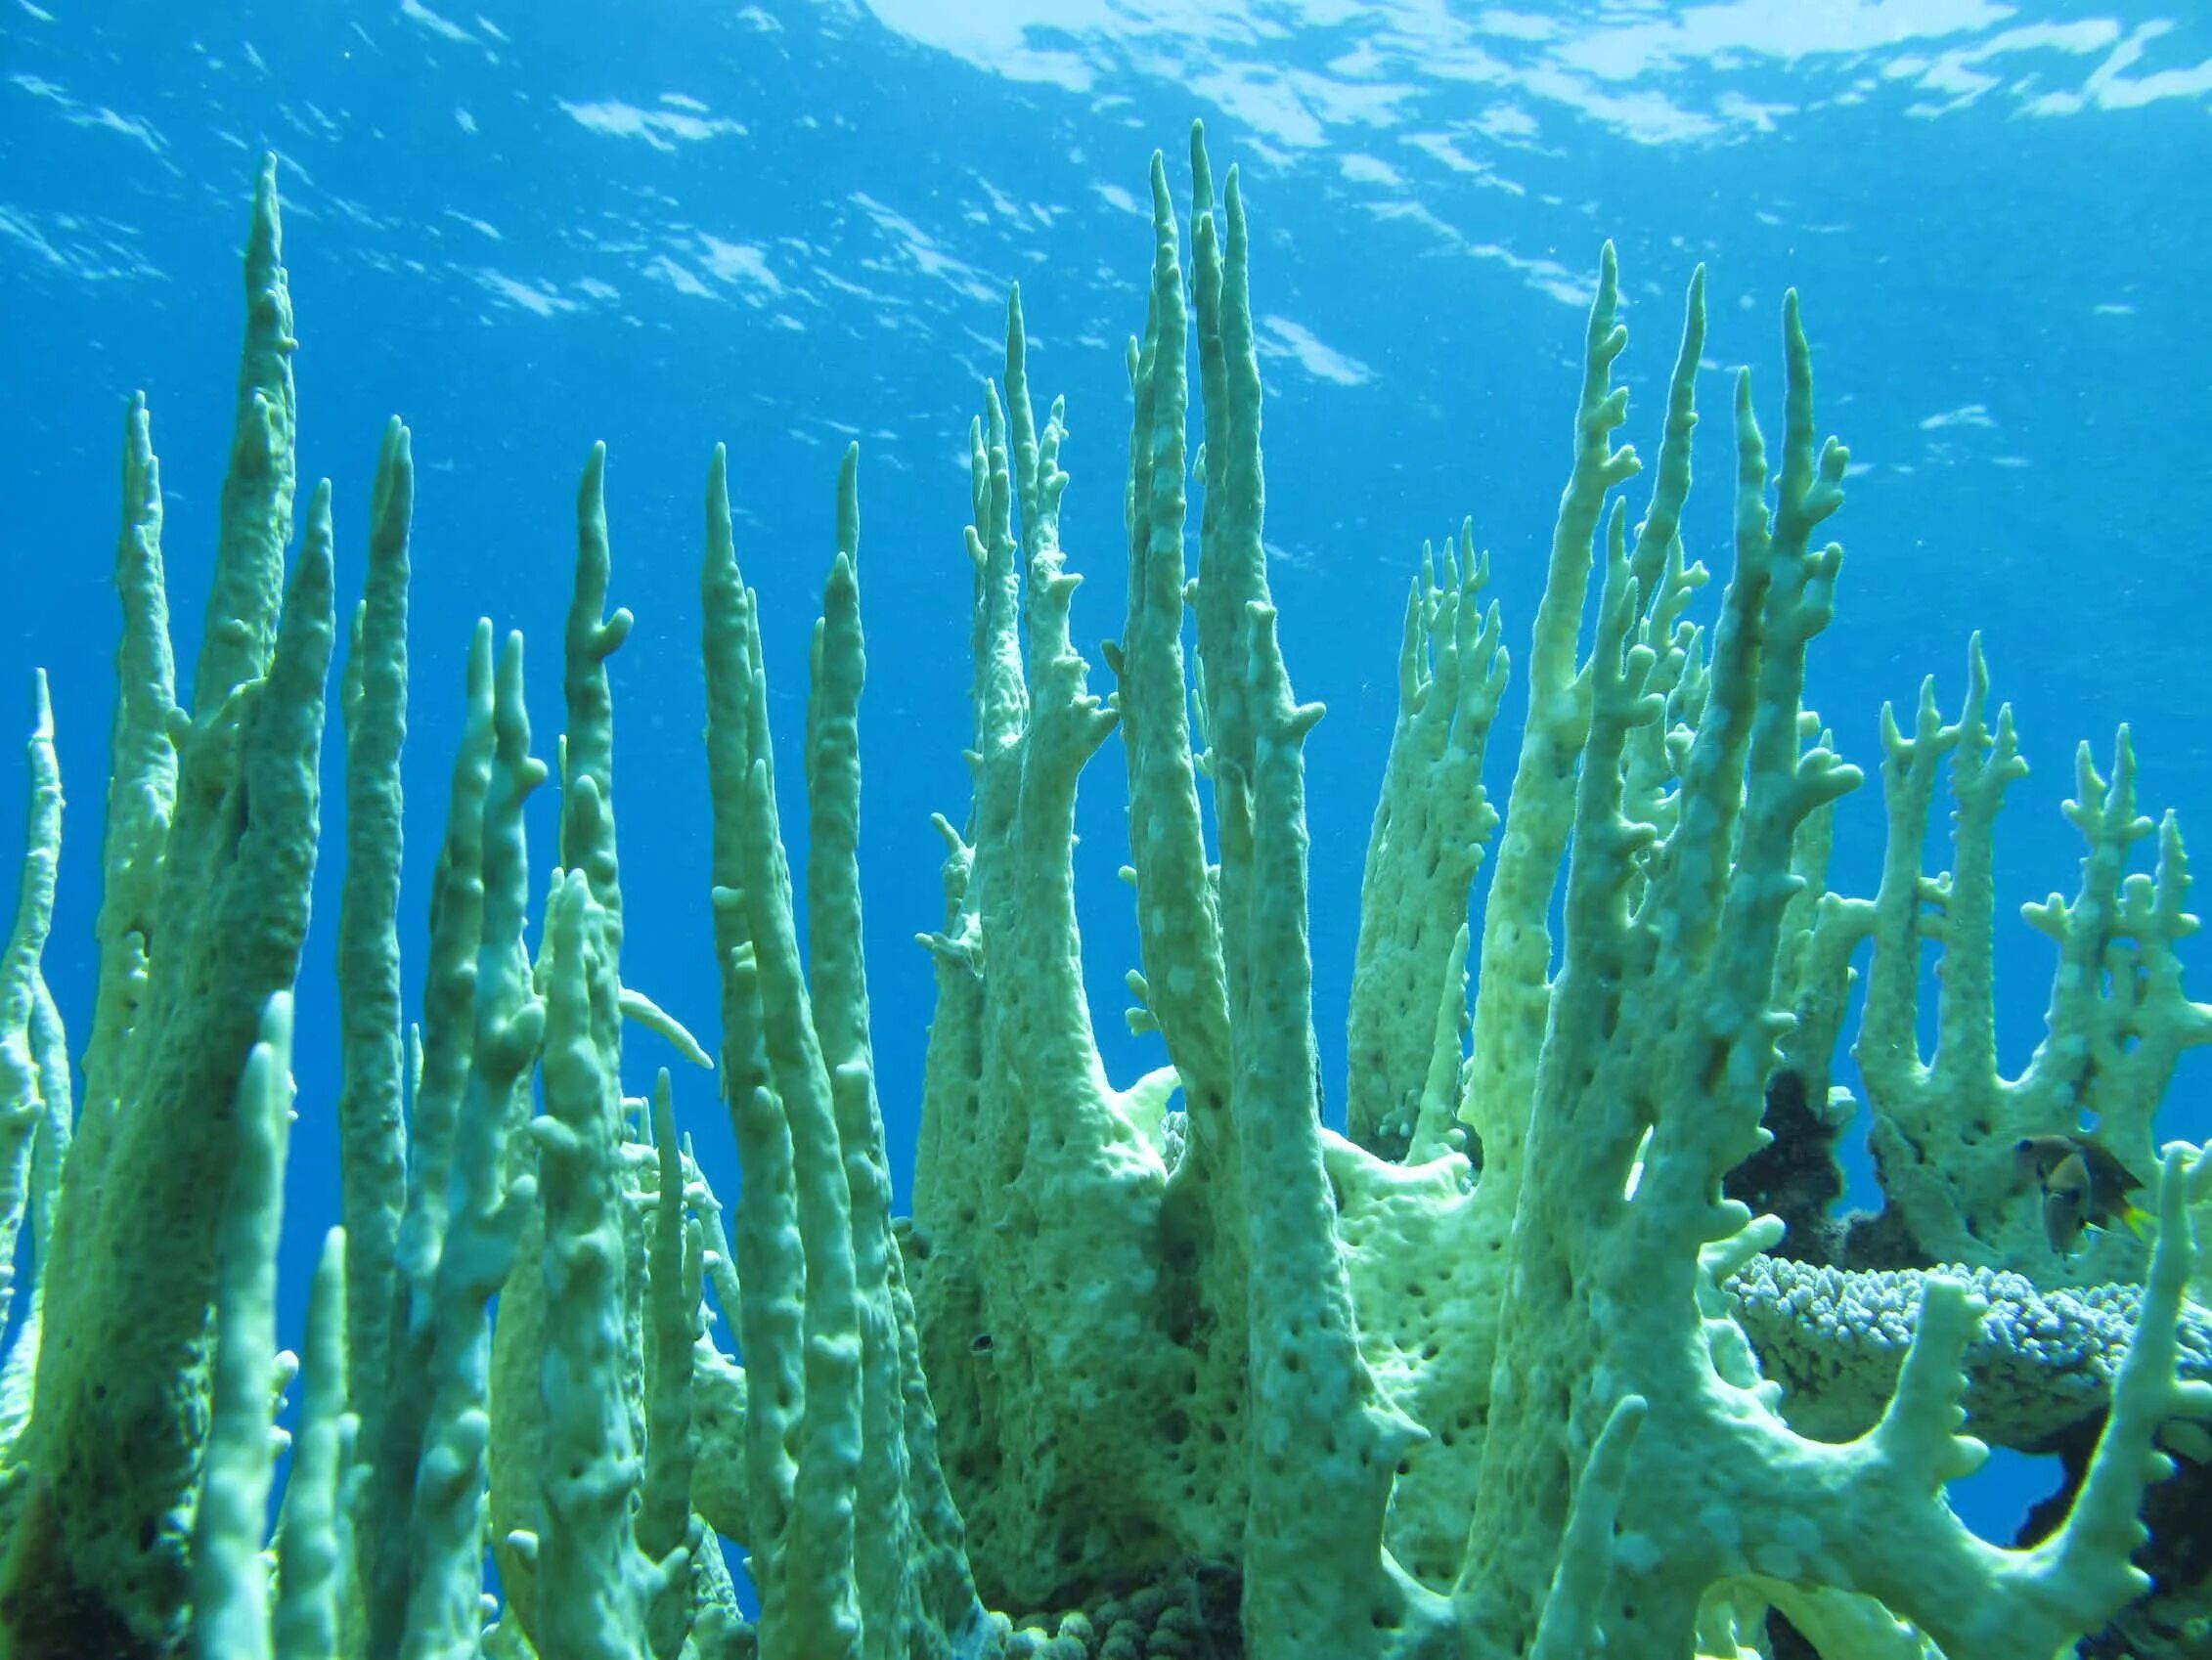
x: 1799, y: 1178
x: 1189, y: 1611
x: 1881, y: 1239
x: 49, y: 1613
x: 1783, y: 1639
x: 2173, y: 1620
x: 1795, y: 1176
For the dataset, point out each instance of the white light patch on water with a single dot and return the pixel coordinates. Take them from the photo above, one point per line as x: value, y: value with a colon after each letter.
x: 541, y: 299
x: 97, y: 116
x: 1280, y: 337
x: 1967, y: 414
x: 662, y: 268
x: 415, y: 11
x: 739, y: 262
x: 924, y: 254
x: 663, y: 129
x: 1632, y: 74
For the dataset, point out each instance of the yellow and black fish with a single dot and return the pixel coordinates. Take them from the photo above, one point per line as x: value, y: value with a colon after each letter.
x: 2083, y: 1185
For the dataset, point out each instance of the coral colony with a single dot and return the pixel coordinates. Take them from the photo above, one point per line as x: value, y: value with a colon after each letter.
x: 1557, y: 1349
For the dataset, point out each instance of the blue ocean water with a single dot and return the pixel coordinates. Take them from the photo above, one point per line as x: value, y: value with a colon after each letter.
x: 787, y: 226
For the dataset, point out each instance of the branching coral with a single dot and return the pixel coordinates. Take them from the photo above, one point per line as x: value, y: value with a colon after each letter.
x: 1164, y: 1369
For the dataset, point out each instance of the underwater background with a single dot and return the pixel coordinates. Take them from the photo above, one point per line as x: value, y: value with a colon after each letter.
x: 789, y: 226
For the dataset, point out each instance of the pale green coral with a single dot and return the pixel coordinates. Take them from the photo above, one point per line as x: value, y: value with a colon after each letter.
x: 2117, y: 1022
x: 1504, y: 1372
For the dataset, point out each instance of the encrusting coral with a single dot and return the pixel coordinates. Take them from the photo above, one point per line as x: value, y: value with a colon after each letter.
x: 1169, y: 1369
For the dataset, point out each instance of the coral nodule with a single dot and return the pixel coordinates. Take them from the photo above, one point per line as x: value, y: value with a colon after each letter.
x: 1513, y: 1368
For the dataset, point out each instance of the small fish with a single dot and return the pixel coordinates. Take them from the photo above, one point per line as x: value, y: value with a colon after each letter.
x: 2084, y: 1186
